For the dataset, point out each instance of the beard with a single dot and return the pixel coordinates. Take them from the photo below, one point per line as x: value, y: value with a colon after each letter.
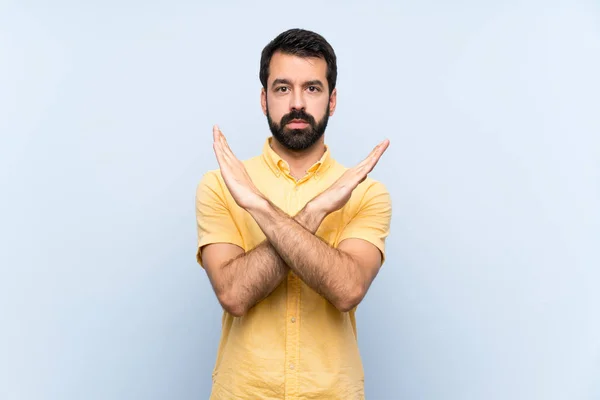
x: 298, y: 139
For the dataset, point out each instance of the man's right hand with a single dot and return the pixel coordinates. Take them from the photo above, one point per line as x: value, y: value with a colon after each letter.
x: 338, y: 194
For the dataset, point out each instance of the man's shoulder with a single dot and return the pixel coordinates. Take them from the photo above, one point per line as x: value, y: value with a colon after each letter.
x: 372, y: 191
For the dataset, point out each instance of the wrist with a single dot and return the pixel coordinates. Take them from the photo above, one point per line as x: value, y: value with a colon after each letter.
x: 259, y: 204
x: 315, y: 210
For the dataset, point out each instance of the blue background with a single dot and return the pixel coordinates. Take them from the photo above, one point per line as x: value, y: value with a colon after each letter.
x: 490, y: 289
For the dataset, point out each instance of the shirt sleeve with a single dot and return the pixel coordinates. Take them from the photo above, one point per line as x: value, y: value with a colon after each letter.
x: 373, y: 218
x: 214, y: 221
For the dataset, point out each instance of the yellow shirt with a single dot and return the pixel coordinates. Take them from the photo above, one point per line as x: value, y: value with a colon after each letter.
x: 294, y: 344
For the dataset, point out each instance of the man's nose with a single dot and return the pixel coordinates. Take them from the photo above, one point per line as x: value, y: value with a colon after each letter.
x: 297, y: 100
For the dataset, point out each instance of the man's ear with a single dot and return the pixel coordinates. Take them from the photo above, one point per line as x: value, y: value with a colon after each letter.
x: 332, y: 102
x: 263, y: 100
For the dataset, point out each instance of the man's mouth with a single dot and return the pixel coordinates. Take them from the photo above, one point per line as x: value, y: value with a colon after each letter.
x: 297, y: 124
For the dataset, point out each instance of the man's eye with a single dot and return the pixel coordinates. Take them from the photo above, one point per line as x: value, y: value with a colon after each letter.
x: 282, y: 89
x: 313, y: 89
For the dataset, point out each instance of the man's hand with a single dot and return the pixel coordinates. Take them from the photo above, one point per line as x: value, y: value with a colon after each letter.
x: 241, y: 187
x: 338, y: 194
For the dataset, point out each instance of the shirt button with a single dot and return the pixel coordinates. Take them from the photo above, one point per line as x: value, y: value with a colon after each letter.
x: 293, y: 319
x: 292, y: 366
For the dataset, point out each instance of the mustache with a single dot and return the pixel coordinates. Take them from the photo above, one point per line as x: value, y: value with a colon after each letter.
x: 297, y: 114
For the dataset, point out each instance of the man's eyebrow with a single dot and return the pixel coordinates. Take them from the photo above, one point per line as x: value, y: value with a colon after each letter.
x: 314, y: 82
x: 280, y: 81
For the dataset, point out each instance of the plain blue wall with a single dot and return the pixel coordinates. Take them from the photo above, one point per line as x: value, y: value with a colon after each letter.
x: 491, y: 286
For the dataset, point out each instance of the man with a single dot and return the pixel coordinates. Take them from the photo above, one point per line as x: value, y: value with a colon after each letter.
x: 291, y: 240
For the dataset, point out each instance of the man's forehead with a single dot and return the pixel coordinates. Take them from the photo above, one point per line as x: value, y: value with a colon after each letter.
x: 294, y: 68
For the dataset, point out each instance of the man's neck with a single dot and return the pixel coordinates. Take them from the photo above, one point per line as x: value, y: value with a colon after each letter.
x: 300, y: 161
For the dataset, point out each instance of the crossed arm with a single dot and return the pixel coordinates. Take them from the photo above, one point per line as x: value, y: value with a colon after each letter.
x: 341, y: 275
x: 241, y: 280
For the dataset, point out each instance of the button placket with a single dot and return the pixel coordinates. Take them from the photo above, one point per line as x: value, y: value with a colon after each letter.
x: 292, y: 349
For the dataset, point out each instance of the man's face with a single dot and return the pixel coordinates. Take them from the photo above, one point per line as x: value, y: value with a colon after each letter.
x: 297, y: 101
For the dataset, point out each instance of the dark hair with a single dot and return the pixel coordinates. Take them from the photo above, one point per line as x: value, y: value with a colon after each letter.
x: 301, y: 43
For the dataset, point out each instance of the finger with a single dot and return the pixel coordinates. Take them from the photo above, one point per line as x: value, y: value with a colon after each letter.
x: 218, y: 146
x: 380, y: 149
x: 377, y: 156
x: 218, y: 154
x: 367, y: 158
x: 364, y: 168
x: 384, y: 145
x: 219, y: 137
x: 226, y: 149
x: 229, y: 155
x: 218, y: 140
x: 372, y: 154
x: 221, y: 144
x: 216, y: 132
x: 374, y: 150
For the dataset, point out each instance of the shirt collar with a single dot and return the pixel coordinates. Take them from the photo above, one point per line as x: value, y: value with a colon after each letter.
x: 279, y: 165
